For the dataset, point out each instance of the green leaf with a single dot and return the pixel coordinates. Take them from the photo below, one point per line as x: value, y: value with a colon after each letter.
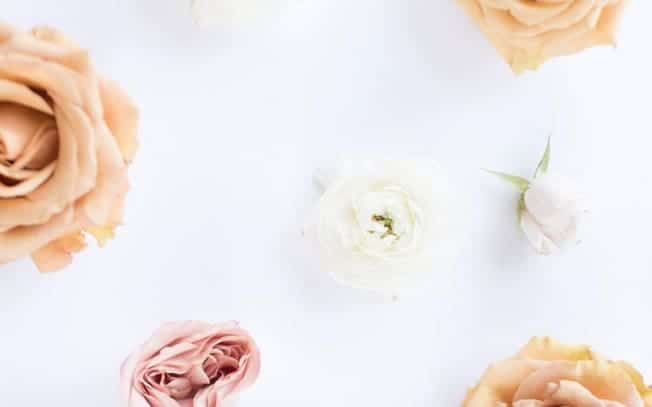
x: 521, y: 183
x: 542, y: 168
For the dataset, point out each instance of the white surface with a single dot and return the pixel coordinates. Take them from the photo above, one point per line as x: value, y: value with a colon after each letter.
x: 233, y: 125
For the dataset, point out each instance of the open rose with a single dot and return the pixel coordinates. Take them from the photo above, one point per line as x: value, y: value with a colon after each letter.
x: 190, y: 364
x: 548, y: 373
x: 66, y: 136
x: 528, y: 32
x: 384, y: 225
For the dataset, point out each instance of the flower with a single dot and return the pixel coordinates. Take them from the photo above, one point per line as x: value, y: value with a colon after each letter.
x: 213, y: 13
x: 383, y: 225
x: 528, y: 32
x: 550, y: 209
x: 190, y: 363
x: 66, y: 138
x: 549, y: 373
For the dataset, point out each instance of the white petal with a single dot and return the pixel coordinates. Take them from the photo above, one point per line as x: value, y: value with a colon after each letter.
x: 534, y: 233
x: 550, y: 197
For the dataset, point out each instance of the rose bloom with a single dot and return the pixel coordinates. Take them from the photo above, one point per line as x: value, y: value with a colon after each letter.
x: 529, y: 32
x: 66, y: 137
x: 384, y: 225
x: 190, y: 364
x: 548, y: 373
x: 551, y: 213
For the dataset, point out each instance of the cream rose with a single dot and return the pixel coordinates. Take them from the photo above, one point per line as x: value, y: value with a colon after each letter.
x: 529, y: 32
x: 548, y: 373
x: 66, y: 137
x: 190, y: 364
x: 383, y: 225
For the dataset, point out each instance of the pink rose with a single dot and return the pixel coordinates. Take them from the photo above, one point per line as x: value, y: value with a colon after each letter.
x: 190, y: 364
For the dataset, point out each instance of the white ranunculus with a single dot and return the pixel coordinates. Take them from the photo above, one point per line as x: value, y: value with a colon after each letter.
x: 215, y: 13
x: 383, y: 225
x: 550, y: 213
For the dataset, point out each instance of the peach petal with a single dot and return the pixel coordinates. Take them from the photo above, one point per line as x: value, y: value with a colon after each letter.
x: 502, y: 379
x: 546, y: 348
x: 569, y: 393
x: 121, y: 116
x: 23, y: 95
x: 27, y: 239
x: 58, y: 253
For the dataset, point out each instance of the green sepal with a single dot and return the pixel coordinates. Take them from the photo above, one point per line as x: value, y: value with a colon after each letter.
x: 542, y: 168
x: 521, y: 183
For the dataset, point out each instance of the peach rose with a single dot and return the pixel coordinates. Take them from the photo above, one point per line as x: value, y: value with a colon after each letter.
x: 190, y: 364
x: 548, y: 373
x: 66, y: 137
x: 529, y: 32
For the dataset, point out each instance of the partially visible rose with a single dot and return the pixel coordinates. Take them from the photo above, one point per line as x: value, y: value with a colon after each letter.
x: 528, y: 32
x: 384, y: 225
x: 551, y: 213
x: 215, y: 13
x: 66, y: 138
x: 190, y: 364
x: 548, y: 373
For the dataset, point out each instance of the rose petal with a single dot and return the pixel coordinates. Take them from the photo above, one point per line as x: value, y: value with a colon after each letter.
x: 500, y: 381
x: 58, y: 253
x: 121, y: 116
x: 535, y: 235
x: 546, y: 348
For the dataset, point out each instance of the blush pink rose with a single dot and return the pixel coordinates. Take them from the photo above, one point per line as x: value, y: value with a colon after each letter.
x: 190, y: 364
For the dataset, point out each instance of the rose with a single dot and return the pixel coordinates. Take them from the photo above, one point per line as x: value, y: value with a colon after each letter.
x: 550, y: 209
x: 550, y: 213
x: 529, y: 32
x: 548, y: 373
x: 190, y: 364
x: 383, y: 225
x: 66, y: 136
x: 212, y: 13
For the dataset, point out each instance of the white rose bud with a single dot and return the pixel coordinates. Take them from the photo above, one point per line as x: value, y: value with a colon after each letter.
x: 550, y: 208
x: 384, y: 225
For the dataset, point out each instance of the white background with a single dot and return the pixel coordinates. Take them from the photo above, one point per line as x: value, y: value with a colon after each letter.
x: 233, y: 124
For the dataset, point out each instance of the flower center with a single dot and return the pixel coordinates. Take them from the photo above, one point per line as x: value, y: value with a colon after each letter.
x: 387, y: 222
x: 28, y: 149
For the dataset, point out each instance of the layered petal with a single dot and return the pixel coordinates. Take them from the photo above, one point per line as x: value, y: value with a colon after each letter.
x: 547, y: 373
x: 190, y: 364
